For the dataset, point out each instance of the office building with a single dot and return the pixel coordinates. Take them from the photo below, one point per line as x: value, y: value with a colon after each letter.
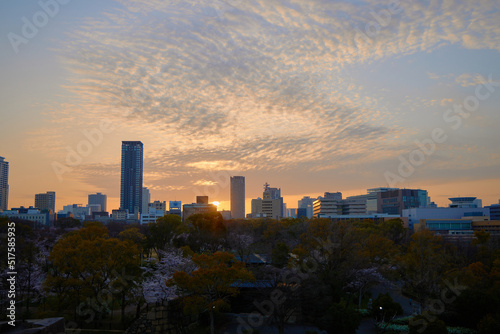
x: 4, y: 184
x: 237, y: 197
x: 371, y: 198
x: 158, y: 207
x: 175, y: 208
x: 415, y: 215
x: 270, y: 206
x: 393, y: 202
x: 464, y: 202
x: 46, y: 201
x: 131, y: 176
x: 41, y: 218
x: 494, y: 211
x: 78, y: 211
x: 201, y: 199
x: 332, y: 204
x: 201, y: 206
x: 100, y: 199
x: 146, y: 199
x: 305, y: 203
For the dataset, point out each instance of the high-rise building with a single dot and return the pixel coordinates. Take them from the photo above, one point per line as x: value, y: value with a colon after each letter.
x: 131, y: 176
x: 270, y: 206
x: 237, y: 197
x: 46, y: 201
x: 4, y: 184
x: 100, y: 199
x: 146, y: 198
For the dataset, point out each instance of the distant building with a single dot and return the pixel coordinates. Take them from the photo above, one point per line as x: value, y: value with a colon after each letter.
x: 158, y: 206
x: 237, y: 197
x: 46, y: 201
x: 201, y: 199
x: 371, y: 198
x: 494, y: 211
x: 44, y: 217
x: 146, y: 199
x: 291, y: 213
x: 201, y: 206
x: 100, y: 199
x: 226, y: 214
x: 154, y: 212
x: 415, y: 215
x: 270, y: 206
x: 119, y: 214
x: 332, y: 204
x: 79, y: 211
x: 175, y: 208
x: 4, y: 184
x: 302, y: 213
x: 305, y: 203
x: 464, y: 202
x: 393, y: 202
x: 131, y: 176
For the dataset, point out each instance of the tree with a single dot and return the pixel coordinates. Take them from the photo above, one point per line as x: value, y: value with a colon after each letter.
x: 163, y: 232
x: 206, y: 232
x: 424, y: 265
x: 280, y: 294
x: 67, y: 222
x: 156, y: 275
x: 87, y: 265
x: 209, y: 287
x: 384, y: 308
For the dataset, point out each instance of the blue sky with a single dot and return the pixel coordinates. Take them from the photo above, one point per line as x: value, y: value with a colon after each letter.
x: 309, y: 96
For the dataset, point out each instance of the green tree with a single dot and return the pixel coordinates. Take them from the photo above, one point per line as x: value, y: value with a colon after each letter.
x: 209, y: 287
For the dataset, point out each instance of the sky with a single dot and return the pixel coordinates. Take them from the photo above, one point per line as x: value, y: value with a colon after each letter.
x: 309, y: 96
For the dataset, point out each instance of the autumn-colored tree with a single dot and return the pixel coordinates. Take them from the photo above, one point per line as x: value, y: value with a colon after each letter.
x: 209, y: 287
x: 87, y: 264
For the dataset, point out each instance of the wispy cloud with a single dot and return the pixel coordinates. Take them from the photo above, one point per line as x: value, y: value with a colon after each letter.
x: 258, y: 84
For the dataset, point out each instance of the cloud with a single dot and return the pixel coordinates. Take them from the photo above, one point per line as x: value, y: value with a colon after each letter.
x: 258, y: 84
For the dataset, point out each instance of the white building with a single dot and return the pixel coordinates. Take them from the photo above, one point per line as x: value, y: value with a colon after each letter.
x: 332, y: 204
x: 152, y: 215
x: 32, y: 214
x: 416, y: 214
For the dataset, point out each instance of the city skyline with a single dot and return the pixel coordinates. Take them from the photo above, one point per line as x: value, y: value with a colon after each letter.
x: 311, y: 97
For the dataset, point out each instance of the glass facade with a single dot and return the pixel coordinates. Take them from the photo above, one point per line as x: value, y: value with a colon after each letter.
x: 131, y: 176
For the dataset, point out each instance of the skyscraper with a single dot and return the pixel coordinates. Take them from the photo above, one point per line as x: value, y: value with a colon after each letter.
x: 131, y: 176
x: 146, y: 198
x: 46, y: 201
x: 100, y: 199
x: 4, y: 184
x: 237, y: 197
